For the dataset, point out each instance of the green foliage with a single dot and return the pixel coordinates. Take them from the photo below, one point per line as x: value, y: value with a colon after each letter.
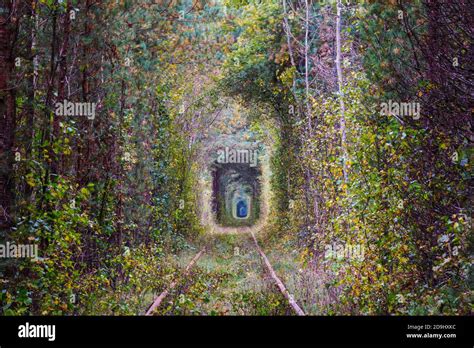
x: 108, y: 201
x: 399, y: 200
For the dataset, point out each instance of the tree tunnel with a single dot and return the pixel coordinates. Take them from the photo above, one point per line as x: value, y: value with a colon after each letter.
x: 236, y: 194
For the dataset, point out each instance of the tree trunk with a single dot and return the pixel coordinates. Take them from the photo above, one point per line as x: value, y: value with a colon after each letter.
x: 7, y: 113
x: 306, y: 68
x: 62, y: 61
x: 341, y: 99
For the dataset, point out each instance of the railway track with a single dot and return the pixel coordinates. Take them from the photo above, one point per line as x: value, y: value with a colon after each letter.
x: 268, y: 268
x: 156, y: 303
x: 277, y: 280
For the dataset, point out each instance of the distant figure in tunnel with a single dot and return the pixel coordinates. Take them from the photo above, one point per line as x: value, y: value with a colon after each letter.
x: 241, y: 209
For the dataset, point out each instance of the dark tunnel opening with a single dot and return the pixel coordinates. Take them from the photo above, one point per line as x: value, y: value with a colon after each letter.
x: 236, y: 192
